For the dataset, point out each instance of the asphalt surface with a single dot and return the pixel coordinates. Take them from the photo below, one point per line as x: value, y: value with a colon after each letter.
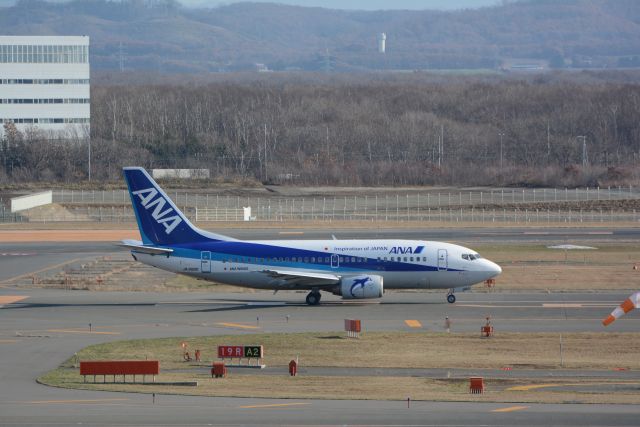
x: 18, y: 259
x: 454, y: 235
x: 39, y: 332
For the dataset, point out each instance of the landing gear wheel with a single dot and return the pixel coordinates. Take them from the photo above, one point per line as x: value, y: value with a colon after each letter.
x: 313, y: 298
x: 451, y: 298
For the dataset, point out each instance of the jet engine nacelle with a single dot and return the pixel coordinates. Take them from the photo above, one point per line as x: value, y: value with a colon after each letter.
x: 360, y: 287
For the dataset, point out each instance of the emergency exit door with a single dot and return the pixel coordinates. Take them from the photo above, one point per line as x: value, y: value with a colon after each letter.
x: 205, y: 262
x: 443, y: 260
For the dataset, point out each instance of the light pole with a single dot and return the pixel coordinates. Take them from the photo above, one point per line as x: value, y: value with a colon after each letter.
x: 89, y: 155
x: 501, y: 135
x: 584, y: 149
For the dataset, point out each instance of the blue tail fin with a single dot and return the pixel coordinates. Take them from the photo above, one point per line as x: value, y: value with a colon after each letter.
x: 159, y: 220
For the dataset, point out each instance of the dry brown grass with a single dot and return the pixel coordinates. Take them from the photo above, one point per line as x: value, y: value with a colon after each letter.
x: 417, y: 350
x: 535, y: 267
x: 603, y: 350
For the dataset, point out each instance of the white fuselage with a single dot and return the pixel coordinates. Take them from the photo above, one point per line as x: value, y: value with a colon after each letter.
x: 403, y: 264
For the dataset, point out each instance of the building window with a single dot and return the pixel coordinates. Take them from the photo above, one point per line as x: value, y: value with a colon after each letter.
x: 44, y: 54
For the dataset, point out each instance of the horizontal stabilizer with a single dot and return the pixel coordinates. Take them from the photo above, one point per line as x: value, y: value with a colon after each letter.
x: 137, y: 246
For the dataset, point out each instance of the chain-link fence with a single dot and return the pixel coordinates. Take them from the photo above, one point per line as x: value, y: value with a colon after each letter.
x: 293, y: 213
x: 414, y: 198
x: 502, y: 205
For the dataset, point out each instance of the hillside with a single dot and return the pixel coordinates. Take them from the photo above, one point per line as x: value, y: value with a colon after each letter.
x: 162, y: 36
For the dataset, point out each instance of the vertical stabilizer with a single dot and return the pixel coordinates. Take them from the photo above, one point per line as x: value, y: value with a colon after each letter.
x: 159, y: 220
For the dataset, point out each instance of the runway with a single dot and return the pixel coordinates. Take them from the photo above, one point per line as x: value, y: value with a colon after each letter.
x: 41, y: 328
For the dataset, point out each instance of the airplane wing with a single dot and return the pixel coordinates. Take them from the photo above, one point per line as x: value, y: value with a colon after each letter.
x: 139, y: 247
x: 291, y: 277
x: 629, y: 304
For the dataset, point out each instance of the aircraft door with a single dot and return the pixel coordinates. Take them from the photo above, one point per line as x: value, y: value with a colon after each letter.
x: 205, y: 262
x: 335, y: 261
x: 443, y: 260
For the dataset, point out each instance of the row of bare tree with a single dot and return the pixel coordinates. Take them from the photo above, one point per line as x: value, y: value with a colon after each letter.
x: 400, y: 132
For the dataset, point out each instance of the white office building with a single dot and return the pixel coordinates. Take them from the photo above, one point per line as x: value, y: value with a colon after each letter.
x: 44, y: 85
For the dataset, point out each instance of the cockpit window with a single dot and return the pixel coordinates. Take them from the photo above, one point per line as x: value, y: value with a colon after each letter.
x: 477, y: 256
x: 465, y: 256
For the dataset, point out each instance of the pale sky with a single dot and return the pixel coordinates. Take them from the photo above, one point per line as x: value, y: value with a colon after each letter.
x: 344, y: 4
x: 363, y: 4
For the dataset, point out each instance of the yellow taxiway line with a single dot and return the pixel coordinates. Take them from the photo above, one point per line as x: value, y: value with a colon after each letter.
x: 539, y: 386
x: 45, y: 402
x: 237, y: 325
x: 10, y: 299
x: 510, y: 409
x: 82, y: 331
x: 413, y: 323
x: 274, y: 405
x: 32, y: 273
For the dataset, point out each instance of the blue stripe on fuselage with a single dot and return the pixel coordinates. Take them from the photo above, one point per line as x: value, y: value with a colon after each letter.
x: 225, y: 250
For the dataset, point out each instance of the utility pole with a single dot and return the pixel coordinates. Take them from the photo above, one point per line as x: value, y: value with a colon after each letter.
x: 121, y: 57
x: 441, y: 146
x: 501, y: 134
x: 89, y: 154
x: 266, y: 175
x: 548, y: 140
x: 584, y: 150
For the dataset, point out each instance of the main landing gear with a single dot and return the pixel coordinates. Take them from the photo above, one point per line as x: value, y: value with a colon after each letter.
x: 451, y: 298
x: 314, y: 298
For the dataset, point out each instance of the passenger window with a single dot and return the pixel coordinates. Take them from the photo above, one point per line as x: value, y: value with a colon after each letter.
x: 385, y: 258
x: 286, y: 259
x: 313, y: 259
x: 424, y: 258
x: 391, y: 258
x: 405, y: 259
x: 411, y: 259
x: 306, y: 259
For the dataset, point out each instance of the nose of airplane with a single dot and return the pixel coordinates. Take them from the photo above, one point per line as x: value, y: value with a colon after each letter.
x: 493, y: 268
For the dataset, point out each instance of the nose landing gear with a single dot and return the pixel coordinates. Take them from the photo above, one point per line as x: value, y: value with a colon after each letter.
x: 451, y: 298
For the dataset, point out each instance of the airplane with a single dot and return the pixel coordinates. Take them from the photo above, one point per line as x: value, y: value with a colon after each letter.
x: 629, y: 304
x: 352, y: 269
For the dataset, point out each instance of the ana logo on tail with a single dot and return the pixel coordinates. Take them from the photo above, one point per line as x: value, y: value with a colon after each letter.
x: 162, y: 217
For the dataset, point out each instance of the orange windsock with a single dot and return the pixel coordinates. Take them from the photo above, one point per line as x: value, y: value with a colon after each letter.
x: 629, y: 304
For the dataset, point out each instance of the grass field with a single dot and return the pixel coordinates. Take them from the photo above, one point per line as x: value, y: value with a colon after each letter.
x: 536, y: 267
x: 384, y: 350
